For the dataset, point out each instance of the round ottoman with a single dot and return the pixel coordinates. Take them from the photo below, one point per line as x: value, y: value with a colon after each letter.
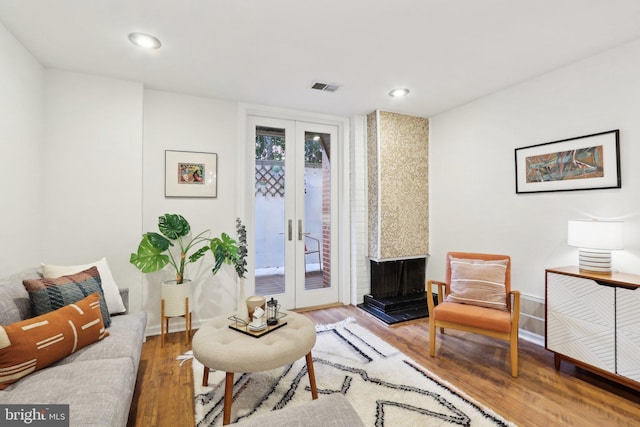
x: 219, y: 347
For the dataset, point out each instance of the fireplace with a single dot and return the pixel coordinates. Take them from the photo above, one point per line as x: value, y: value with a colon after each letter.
x: 398, y: 215
x: 397, y: 290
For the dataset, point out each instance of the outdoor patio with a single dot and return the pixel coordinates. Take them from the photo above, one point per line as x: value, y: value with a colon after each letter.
x: 274, y: 284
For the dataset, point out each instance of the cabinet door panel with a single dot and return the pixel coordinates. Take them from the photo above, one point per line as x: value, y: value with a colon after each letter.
x: 581, y: 320
x: 628, y: 322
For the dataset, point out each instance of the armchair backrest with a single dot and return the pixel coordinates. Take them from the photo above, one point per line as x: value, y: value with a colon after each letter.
x: 485, y: 257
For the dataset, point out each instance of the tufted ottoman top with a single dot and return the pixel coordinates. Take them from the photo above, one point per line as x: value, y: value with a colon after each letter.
x: 219, y: 347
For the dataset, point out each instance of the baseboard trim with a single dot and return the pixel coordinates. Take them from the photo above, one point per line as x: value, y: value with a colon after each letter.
x: 155, y: 330
x: 531, y: 337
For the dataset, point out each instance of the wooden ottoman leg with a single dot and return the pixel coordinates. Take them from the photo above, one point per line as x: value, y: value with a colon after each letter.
x: 228, y: 397
x: 205, y: 377
x: 312, y: 376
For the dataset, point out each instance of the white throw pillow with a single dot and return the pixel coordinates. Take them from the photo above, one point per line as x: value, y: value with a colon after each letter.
x: 478, y: 282
x: 109, y: 286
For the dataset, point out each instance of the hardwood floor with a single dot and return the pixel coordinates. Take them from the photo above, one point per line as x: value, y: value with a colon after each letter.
x: 478, y: 366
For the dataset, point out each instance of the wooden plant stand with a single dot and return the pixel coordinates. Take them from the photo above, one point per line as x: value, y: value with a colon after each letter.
x: 188, y: 320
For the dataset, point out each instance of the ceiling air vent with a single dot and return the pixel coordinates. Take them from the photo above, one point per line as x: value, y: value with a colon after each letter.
x: 324, y: 87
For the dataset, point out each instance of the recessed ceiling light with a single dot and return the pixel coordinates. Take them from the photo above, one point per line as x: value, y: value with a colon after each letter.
x: 145, y: 40
x: 399, y: 92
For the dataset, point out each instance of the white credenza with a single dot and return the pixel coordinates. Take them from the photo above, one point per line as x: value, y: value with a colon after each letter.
x: 593, y: 321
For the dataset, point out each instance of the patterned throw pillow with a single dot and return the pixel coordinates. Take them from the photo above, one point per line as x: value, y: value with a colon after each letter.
x: 51, y: 294
x: 35, y: 343
x: 108, y: 283
x: 478, y: 282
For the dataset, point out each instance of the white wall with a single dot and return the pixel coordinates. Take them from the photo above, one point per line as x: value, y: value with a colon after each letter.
x: 473, y: 204
x: 92, y: 173
x: 21, y: 89
x: 83, y: 174
x: 97, y: 183
x: 360, y: 280
x: 188, y: 123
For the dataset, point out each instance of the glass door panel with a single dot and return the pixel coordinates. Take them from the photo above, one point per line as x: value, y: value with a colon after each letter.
x: 293, y: 211
x: 317, y: 201
x: 315, y: 283
x: 273, y: 196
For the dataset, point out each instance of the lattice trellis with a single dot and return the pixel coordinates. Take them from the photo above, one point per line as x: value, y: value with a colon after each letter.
x: 269, y: 178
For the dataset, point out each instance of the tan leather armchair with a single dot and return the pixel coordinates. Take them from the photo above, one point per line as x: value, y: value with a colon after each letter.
x: 499, y: 322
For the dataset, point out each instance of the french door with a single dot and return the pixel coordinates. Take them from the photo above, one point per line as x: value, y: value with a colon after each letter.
x: 294, y: 211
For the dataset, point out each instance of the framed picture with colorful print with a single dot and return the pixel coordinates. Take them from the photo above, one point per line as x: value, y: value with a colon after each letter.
x: 190, y: 174
x: 587, y: 162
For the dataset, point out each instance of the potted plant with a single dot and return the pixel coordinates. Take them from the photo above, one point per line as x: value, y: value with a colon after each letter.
x: 158, y: 250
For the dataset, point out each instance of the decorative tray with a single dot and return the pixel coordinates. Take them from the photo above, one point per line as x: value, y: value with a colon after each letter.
x: 241, y: 325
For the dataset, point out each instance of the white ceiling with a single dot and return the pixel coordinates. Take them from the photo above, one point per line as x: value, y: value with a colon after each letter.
x: 447, y: 52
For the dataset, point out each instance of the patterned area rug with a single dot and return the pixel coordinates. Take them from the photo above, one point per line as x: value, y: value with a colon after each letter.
x: 384, y: 386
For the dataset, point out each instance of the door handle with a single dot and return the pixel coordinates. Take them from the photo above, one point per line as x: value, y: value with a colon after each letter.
x: 290, y: 231
x: 299, y: 229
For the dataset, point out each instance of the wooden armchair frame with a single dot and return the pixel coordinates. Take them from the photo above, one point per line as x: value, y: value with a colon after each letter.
x: 512, y: 315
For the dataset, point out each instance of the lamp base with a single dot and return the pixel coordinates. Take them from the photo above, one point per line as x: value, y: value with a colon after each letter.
x: 594, y: 260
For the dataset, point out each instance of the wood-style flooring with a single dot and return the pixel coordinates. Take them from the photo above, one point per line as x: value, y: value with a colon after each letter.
x: 479, y: 366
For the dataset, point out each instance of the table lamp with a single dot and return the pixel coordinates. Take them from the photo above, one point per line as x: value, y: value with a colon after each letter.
x: 595, y: 239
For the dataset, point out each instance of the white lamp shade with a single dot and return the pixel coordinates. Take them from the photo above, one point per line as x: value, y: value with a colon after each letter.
x: 595, y: 234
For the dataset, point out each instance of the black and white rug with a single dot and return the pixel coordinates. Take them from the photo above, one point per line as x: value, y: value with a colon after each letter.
x: 384, y: 386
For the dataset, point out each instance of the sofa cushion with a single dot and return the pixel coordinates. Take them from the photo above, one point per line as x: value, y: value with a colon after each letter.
x: 126, y: 335
x: 109, y: 286
x: 98, y: 392
x: 33, y: 344
x: 14, y: 299
x: 51, y: 294
x: 478, y: 282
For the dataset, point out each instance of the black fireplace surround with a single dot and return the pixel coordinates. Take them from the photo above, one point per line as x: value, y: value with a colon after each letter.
x: 397, y: 290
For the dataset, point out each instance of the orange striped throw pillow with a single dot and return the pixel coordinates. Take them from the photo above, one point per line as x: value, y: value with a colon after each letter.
x: 478, y: 282
x: 35, y: 343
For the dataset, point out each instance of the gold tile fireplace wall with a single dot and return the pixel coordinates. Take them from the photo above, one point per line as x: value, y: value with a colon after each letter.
x: 398, y: 183
x: 398, y: 206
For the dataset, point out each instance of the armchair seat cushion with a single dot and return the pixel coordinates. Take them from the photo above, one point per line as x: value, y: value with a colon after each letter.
x: 480, y: 317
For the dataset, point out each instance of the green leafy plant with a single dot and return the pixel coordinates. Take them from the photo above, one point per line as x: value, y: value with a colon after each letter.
x: 155, y: 253
x: 241, y: 261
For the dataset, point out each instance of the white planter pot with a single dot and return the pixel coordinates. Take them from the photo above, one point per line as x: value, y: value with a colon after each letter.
x: 174, y: 297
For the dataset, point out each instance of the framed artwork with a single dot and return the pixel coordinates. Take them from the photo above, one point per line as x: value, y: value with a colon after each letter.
x: 583, y: 163
x: 190, y: 174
